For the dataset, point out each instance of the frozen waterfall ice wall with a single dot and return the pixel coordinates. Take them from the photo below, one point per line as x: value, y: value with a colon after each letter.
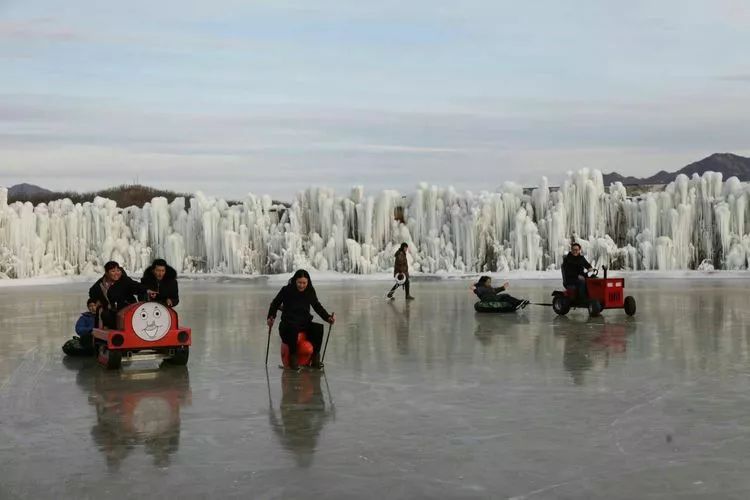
x: 687, y: 223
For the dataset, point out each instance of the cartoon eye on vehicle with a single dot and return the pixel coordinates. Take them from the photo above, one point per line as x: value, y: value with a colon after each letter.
x: 151, y: 321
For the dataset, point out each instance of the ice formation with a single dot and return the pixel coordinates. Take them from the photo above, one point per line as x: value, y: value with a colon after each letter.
x: 694, y: 222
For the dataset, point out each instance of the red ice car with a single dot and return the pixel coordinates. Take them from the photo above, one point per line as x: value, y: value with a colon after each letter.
x: 146, y: 330
x: 602, y: 293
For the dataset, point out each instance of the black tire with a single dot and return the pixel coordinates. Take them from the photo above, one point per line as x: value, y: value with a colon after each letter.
x: 595, y: 308
x: 629, y: 305
x: 72, y: 347
x: 561, y: 305
x: 111, y: 359
x: 180, y: 358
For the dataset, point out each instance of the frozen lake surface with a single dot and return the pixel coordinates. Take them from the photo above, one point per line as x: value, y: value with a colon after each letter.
x: 421, y: 400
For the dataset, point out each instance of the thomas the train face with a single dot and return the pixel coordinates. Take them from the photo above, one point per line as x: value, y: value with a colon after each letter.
x: 151, y: 321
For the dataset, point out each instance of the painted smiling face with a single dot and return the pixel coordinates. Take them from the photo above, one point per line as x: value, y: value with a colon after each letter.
x: 151, y: 321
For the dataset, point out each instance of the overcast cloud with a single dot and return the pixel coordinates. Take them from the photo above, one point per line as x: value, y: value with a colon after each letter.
x: 274, y: 96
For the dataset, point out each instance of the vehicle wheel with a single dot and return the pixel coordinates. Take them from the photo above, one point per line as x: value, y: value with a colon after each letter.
x: 629, y: 305
x: 595, y: 308
x: 180, y: 357
x: 111, y: 359
x: 561, y: 305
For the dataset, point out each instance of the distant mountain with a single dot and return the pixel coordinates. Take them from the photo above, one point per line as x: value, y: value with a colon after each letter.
x: 730, y: 165
x: 26, y: 191
x: 126, y: 195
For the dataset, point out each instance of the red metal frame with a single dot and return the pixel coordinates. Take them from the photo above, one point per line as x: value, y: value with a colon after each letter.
x: 609, y: 292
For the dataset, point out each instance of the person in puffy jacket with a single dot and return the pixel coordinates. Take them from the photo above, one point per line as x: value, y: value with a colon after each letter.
x: 115, y: 291
x: 161, y: 278
x: 487, y: 293
x: 295, y: 300
x: 87, y: 322
x: 83, y: 344
x: 574, y: 269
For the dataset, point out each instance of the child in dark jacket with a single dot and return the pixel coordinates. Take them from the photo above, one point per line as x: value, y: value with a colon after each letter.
x: 87, y: 322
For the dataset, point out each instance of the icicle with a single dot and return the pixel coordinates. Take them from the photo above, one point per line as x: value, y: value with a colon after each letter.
x: 698, y: 221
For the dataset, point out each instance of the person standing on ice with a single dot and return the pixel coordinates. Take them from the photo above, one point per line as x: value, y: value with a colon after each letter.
x: 161, y: 278
x: 574, y: 268
x: 401, y: 267
x: 114, y: 291
x: 295, y: 300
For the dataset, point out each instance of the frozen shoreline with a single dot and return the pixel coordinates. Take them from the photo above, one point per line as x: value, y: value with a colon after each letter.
x: 329, y: 277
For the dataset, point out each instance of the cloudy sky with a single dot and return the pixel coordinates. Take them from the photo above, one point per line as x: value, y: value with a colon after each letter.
x: 232, y: 96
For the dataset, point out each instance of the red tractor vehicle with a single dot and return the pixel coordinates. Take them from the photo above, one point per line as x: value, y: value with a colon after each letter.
x: 601, y: 293
x: 146, y: 330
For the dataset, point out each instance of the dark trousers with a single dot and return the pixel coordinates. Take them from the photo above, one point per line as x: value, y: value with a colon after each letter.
x: 395, y: 287
x: 313, y: 332
x: 504, y: 297
x: 581, y: 286
x: 109, y: 318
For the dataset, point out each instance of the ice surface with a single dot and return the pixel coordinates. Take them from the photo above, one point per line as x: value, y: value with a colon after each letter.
x: 425, y: 400
x: 692, y: 221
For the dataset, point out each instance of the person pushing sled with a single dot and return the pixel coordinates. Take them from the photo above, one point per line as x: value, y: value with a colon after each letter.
x: 296, y: 328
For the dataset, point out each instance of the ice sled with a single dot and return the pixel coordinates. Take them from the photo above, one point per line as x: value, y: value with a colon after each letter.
x: 494, y: 306
x: 304, y: 351
x: 602, y: 293
x: 145, y: 330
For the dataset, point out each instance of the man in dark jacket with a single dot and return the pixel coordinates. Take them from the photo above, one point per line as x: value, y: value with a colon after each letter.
x: 114, y: 291
x: 162, y: 279
x: 574, y: 268
x: 401, y: 272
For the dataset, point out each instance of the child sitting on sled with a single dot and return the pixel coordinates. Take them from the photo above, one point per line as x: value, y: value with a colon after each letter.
x: 84, y: 343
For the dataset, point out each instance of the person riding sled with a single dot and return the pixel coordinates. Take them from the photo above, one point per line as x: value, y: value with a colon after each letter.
x: 115, y: 291
x: 84, y: 343
x: 574, y: 269
x: 487, y: 293
x: 162, y: 279
x: 295, y: 300
x: 401, y: 272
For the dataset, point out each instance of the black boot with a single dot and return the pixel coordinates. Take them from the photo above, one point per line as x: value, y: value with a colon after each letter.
x: 293, y: 361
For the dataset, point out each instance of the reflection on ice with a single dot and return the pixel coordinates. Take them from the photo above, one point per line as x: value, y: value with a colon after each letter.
x: 135, y: 407
x: 585, y: 349
x: 302, y: 413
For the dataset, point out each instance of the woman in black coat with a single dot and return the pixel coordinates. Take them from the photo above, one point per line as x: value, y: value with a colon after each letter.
x: 296, y: 298
x: 114, y: 291
x: 162, y: 279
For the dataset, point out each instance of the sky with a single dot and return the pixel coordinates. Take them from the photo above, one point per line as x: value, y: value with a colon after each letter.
x: 270, y: 97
